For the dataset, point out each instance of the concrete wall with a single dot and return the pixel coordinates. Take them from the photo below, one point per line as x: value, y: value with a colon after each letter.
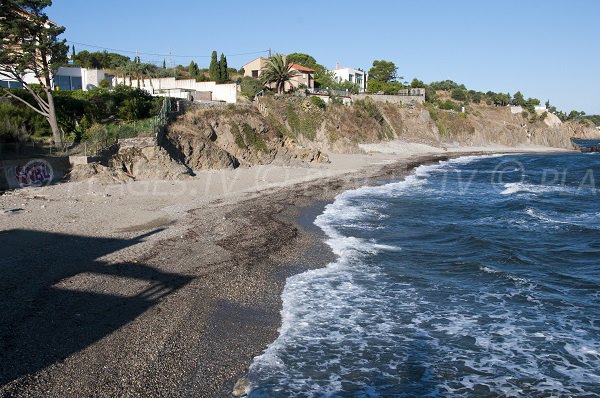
x: 393, y: 99
x: 220, y: 92
x: 19, y: 173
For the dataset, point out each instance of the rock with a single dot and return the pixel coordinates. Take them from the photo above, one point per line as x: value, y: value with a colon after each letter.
x: 241, y: 387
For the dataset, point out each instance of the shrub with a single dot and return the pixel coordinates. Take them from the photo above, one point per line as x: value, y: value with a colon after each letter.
x: 317, y: 101
x: 449, y: 105
x: 19, y: 123
x: 368, y: 106
x: 459, y: 94
x: 249, y: 87
x: 253, y: 139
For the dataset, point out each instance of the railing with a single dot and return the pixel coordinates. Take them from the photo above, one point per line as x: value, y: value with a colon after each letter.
x: 322, y: 91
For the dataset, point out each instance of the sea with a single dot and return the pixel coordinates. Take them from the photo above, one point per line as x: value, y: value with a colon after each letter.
x: 472, y: 277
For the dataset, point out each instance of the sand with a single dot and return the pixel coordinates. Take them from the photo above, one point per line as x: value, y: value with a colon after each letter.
x: 163, y: 288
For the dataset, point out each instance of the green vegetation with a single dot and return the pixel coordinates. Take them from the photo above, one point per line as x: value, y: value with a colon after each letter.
x: 237, y: 136
x: 35, y: 47
x: 277, y: 71
x: 77, y: 111
x: 100, y: 60
x: 249, y: 87
x: 214, y: 71
x: 370, y: 108
x: 252, y: 139
x: 382, y: 78
x: 304, y: 123
x: 223, y: 70
x: 318, y: 102
x: 19, y: 123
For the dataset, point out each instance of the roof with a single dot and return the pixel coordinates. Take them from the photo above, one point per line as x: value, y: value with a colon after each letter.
x: 301, y: 68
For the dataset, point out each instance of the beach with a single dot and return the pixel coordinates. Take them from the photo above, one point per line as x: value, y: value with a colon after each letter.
x: 165, y: 288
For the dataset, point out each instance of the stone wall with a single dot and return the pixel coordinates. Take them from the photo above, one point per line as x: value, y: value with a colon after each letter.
x: 392, y: 99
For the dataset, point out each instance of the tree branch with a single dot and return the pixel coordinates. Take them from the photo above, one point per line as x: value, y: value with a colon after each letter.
x: 44, y: 114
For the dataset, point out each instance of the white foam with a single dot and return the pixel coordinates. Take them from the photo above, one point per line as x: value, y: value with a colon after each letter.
x: 343, y: 315
x: 519, y: 187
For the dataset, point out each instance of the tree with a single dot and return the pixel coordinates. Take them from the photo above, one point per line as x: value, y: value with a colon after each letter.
x: 459, y: 94
x: 302, y: 59
x: 277, y: 71
x: 416, y: 83
x: 164, y: 63
x: 518, y: 99
x: 34, y: 48
x: 384, y: 71
x: 193, y: 70
x: 223, y: 72
x: 214, y: 72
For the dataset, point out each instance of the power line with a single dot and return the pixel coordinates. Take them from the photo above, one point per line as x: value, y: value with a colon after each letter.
x: 161, y: 55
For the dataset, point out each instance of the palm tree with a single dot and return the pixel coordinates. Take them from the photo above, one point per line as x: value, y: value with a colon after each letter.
x: 278, y: 71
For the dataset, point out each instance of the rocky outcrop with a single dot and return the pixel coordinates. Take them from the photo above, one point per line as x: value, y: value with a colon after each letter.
x: 234, y: 137
x: 149, y: 163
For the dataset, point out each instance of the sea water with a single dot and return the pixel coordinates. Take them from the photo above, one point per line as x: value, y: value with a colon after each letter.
x: 478, y: 276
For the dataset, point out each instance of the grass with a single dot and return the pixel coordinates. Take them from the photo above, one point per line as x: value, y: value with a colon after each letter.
x: 254, y: 140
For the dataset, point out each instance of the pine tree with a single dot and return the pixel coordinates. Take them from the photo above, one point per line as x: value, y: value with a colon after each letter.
x: 213, y: 70
x: 224, y: 73
x: 34, y: 48
x: 193, y: 70
x: 73, y: 53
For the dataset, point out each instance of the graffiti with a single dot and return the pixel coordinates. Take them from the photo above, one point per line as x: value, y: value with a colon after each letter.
x: 35, y: 173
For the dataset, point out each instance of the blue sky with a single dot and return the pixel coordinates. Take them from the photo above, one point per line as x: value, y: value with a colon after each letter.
x: 547, y: 49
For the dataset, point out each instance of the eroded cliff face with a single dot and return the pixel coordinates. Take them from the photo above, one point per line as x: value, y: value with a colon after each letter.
x: 339, y: 128
x: 234, y: 137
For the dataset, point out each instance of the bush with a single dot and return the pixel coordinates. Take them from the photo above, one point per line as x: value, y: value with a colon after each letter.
x: 19, y: 123
x: 459, y: 94
x: 449, y: 105
x: 370, y: 108
x: 250, y: 87
x: 253, y: 139
x: 317, y: 101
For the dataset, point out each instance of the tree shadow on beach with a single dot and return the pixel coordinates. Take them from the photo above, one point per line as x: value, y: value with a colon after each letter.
x: 57, y: 297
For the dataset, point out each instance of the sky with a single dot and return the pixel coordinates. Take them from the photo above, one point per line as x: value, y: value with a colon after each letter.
x: 546, y: 49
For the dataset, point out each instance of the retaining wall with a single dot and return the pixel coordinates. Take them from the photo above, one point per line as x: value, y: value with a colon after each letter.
x: 20, y: 173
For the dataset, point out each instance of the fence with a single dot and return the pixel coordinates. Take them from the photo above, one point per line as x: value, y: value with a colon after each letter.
x: 162, y: 120
x: 321, y: 91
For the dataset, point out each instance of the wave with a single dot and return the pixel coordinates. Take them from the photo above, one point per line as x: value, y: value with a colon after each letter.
x: 586, y: 220
x: 519, y: 187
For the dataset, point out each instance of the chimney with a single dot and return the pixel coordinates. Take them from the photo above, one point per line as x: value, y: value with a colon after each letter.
x: 337, y: 65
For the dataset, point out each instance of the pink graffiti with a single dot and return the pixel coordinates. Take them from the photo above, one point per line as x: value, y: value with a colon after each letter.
x: 37, y: 172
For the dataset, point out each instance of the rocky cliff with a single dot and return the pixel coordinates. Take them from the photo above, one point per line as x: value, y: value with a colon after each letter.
x: 339, y: 128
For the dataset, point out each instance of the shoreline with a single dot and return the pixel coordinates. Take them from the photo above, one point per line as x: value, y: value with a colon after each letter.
x: 203, y: 297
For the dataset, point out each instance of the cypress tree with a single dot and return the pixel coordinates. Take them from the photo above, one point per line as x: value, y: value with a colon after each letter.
x: 224, y: 73
x: 164, y: 63
x: 213, y: 70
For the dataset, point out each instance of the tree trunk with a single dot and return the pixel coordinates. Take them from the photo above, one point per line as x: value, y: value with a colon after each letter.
x: 56, y: 133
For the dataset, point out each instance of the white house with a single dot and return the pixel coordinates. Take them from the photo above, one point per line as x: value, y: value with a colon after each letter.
x: 357, y: 76
x: 65, y: 78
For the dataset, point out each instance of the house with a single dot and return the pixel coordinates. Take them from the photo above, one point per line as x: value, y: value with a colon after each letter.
x: 352, y: 75
x: 65, y: 78
x: 305, y: 77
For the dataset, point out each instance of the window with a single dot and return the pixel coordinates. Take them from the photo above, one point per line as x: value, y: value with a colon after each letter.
x: 76, y: 83
x: 255, y: 74
x: 350, y: 78
x: 10, y: 84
